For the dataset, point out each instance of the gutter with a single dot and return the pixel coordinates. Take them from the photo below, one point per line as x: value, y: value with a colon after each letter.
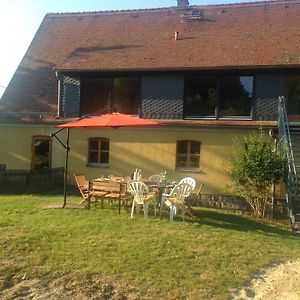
x: 171, y: 69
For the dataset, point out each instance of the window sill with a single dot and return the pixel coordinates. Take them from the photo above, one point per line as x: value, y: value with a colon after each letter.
x: 194, y: 170
x: 94, y: 165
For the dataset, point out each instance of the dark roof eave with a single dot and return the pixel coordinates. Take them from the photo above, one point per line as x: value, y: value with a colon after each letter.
x: 168, y: 69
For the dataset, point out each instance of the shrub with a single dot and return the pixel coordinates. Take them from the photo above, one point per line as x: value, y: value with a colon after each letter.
x: 255, y: 166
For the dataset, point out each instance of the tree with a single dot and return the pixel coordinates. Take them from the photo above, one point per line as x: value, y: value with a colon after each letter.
x: 255, y: 166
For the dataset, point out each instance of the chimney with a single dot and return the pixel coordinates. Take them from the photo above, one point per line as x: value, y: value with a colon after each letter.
x: 183, y: 3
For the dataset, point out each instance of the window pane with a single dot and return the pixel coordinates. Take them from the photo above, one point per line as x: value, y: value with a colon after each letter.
x: 96, y: 96
x: 104, y: 157
x: 93, y: 144
x: 181, y: 161
x: 93, y: 157
x: 201, y: 96
x: 194, y: 161
x: 105, y: 144
x: 182, y: 147
x: 235, y: 96
x: 126, y: 92
x: 293, y: 100
x: 195, y: 148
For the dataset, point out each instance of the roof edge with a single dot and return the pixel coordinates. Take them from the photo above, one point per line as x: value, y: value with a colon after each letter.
x: 246, y: 67
x: 173, y: 8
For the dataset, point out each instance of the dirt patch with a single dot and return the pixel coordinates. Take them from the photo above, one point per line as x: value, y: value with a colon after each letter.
x: 20, y: 287
x: 276, y: 282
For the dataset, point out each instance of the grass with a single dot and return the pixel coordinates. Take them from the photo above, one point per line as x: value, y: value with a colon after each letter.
x: 203, y: 258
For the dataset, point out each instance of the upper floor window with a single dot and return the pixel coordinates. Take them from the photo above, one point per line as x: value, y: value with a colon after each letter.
x: 188, y: 155
x: 226, y: 96
x: 103, y: 95
x: 98, y: 149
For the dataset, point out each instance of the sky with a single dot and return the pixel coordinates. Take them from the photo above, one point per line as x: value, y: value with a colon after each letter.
x: 20, y: 19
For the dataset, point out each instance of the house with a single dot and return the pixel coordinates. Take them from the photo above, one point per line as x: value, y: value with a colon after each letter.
x: 206, y: 73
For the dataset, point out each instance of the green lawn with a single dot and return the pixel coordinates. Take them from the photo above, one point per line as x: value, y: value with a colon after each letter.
x: 203, y: 258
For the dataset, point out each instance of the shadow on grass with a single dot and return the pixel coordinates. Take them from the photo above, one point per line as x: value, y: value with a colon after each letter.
x: 41, y: 190
x: 231, y: 221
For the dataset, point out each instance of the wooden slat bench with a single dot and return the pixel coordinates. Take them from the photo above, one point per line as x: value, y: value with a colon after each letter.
x: 114, y: 190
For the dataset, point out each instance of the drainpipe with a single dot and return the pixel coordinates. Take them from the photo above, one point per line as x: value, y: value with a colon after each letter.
x: 59, y: 91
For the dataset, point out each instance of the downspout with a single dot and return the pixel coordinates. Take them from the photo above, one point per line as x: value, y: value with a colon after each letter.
x: 59, y: 91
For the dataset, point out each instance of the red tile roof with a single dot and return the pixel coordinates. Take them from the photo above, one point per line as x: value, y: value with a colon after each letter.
x: 248, y: 35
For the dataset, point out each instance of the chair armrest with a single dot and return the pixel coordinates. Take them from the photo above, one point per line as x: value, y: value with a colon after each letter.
x: 166, y: 195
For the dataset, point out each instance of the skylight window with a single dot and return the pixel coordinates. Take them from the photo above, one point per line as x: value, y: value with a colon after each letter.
x: 196, y: 14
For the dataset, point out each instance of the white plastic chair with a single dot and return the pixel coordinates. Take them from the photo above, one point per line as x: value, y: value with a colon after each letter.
x: 189, y: 180
x: 141, y: 196
x: 137, y: 174
x: 156, y: 178
x: 175, y: 199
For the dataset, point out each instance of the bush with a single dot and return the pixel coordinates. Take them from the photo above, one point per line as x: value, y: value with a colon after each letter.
x: 256, y: 165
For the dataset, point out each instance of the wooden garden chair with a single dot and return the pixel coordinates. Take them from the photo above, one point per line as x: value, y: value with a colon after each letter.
x: 87, y: 195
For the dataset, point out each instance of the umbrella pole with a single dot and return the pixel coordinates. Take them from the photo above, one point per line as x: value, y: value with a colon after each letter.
x: 66, y: 168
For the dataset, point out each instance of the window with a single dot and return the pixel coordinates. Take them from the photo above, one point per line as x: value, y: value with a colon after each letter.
x: 41, y: 153
x: 226, y: 96
x: 96, y: 95
x: 188, y: 155
x: 293, y: 98
x: 126, y: 92
x: 98, y: 151
x: 201, y: 96
x: 235, y: 95
x: 103, y: 95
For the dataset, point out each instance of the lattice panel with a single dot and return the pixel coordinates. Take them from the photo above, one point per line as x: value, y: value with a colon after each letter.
x: 70, y: 96
x: 266, y: 109
x: 162, y: 97
x: 268, y: 88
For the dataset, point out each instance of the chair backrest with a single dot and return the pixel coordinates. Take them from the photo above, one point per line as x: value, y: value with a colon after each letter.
x: 137, y: 174
x: 157, y: 178
x: 191, y: 181
x: 107, y: 186
x: 198, y: 194
x: 82, y: 184
x: 137, y: 189
x: 181, y: 191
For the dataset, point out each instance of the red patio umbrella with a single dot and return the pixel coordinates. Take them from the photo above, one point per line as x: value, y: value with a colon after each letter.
x: 113, y: 120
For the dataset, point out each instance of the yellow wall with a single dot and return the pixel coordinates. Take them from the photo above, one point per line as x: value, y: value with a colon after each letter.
x: 15, y: 145
x: 151, y: 150
x: 154, y: 150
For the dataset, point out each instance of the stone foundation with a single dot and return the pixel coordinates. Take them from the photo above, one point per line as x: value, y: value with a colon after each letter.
x: 236, y: 203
